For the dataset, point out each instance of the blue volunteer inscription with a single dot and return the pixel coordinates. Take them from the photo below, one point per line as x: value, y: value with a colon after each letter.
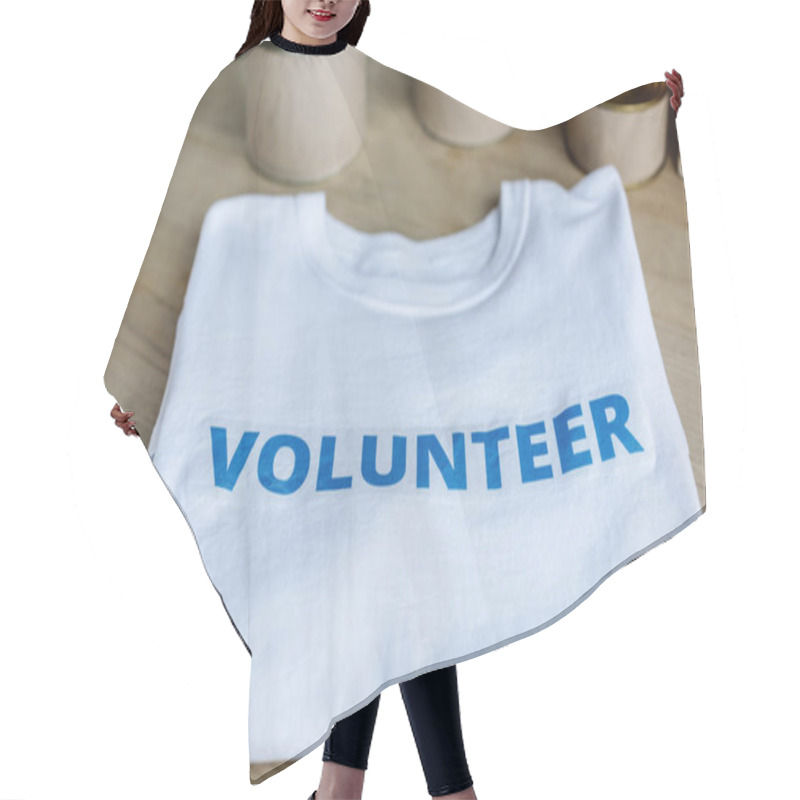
x: 430, y: 449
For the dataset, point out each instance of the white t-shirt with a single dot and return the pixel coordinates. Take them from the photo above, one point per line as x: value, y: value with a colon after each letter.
x: 397, y: 454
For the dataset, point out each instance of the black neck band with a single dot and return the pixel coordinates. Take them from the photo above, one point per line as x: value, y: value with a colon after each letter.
x: 309, y: 49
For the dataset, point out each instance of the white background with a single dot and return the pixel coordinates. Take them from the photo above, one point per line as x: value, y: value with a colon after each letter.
x: 120, y: 674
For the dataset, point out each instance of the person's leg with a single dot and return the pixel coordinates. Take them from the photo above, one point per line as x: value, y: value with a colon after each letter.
x: 432, y: 705
x: 346, y: 753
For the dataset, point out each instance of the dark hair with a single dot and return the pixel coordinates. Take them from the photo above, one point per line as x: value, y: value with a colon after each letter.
x: 266, y: 18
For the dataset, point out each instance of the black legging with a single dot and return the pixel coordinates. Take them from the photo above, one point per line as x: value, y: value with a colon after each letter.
x: 431, y: 701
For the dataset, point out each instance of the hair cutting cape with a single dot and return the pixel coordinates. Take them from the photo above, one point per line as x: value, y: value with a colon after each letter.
x: 417, y: 382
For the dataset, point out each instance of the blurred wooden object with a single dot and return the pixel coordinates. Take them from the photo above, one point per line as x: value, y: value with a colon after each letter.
x: 303, y: 142
x: 450, y: 121
x: 628, y: 131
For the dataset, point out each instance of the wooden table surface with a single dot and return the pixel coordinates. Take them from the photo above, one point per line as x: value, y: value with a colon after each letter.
x: 400, y: 169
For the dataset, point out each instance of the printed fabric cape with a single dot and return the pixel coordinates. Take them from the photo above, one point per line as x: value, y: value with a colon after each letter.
x: 407, y: 392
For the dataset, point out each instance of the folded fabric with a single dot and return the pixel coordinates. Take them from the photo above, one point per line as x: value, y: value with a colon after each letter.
x: 398, y: 454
